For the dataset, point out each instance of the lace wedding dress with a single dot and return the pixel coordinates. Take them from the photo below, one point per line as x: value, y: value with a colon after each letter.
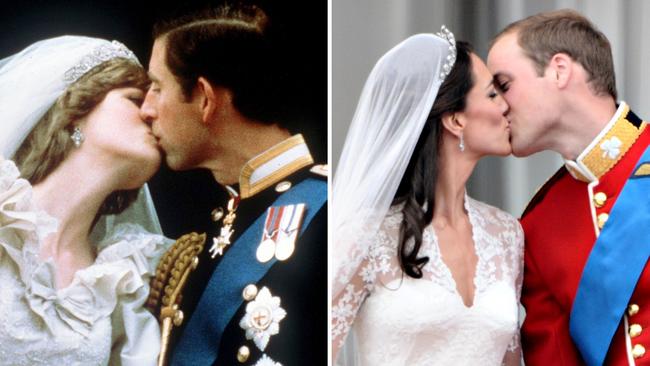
x: 399, y: 320
x: 96, y: 320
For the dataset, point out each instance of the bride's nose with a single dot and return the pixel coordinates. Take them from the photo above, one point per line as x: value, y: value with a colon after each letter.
x: 503, y: 105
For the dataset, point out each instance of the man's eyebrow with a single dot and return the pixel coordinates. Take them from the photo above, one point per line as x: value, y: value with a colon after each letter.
x: 500, y: 74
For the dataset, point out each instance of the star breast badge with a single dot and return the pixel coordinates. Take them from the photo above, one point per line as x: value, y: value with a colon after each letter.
x: 266, y: 361
x: 262, y: 319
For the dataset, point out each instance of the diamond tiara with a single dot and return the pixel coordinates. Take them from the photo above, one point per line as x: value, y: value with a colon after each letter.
x: 451, y: 58
x: 100, y: 54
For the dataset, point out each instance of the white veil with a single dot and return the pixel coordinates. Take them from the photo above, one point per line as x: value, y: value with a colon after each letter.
x: 392, y: 110
x: 30, y: 83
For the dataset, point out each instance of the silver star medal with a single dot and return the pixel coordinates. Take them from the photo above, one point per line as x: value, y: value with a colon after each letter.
x: 223, y: 240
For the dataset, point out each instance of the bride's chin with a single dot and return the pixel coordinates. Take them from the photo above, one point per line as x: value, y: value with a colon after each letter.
x: 141, y: 172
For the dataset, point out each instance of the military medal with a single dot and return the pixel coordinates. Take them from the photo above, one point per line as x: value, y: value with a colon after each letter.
x: 220, y: 242
x: 280, y: 232
x: 266, y: 249
x: 288, y: 233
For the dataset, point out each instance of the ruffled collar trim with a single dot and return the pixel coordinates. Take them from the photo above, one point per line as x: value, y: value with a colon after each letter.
x: 127, y: 255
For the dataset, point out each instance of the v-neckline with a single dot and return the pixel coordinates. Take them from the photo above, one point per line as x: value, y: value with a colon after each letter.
x: 448, y: 274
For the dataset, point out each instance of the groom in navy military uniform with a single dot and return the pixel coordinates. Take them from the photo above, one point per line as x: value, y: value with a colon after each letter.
x: 258, y: 292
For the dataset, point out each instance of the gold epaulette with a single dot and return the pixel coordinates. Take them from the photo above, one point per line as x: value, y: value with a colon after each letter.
x: 166, y: 287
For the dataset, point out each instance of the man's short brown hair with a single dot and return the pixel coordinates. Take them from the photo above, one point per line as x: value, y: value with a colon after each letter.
x: 566, y: 31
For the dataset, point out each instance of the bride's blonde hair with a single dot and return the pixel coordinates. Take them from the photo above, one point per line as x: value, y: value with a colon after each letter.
x: 49, y: 143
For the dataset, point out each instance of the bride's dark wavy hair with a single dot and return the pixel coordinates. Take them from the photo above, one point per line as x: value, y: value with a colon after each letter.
x: 417, y: 187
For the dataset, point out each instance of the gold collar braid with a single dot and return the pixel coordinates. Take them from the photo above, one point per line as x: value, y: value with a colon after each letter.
x: 605, y: 152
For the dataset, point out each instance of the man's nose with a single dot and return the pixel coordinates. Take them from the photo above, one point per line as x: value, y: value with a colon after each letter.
x: 148, y: 111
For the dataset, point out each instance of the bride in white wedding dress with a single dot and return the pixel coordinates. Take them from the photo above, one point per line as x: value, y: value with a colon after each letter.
x: 422, y: 273
x: 79, y: 239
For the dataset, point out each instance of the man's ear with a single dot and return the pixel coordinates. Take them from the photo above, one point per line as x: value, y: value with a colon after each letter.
x: 209, y: 99
x: 561, y: 68
x: 454, y: 123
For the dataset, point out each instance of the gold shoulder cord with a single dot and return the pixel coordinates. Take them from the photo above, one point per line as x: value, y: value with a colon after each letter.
x: 166, y: 287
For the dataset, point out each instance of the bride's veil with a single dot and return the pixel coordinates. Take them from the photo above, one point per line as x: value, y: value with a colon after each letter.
x: 30, y: 83
x: 392, y: 110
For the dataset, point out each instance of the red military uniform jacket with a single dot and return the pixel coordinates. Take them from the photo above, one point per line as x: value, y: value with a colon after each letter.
x: 561, y: 225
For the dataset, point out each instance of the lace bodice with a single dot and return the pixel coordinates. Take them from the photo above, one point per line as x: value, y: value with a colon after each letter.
x: 399, y: 320
x: 96, y: 320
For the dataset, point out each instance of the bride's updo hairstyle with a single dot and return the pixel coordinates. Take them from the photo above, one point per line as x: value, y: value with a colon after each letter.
x: 49, y: 143
x: 417, y: 187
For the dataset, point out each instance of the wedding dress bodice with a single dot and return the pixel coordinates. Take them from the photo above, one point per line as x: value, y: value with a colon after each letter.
x: 399, y: 320
x: 96, y: 320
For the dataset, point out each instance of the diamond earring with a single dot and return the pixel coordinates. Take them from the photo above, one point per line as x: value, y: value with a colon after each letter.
x: 461, y: 145
x: 77, y: 136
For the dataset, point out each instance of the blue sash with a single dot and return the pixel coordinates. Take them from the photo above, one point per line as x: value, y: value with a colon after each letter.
x: 200, y: 341
x: 613, y: 268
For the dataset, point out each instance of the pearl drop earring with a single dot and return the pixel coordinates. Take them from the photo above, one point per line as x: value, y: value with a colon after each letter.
x: 461, y: 145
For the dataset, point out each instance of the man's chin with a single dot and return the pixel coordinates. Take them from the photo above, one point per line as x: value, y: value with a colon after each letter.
x: 175, y: 163
x: 522, y: 151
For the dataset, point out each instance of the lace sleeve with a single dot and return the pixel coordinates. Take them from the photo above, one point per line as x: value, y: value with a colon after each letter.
x: 346, y: 304
x: 513, y: 354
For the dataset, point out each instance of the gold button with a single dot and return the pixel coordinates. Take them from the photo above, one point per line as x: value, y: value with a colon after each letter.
x: 243, y: 353
x: 638, y: 351
x: 283, y: 186
x: 633, y: 309
x: 249, y: 293
x: 635, y: 330
x: 217, y: 214
x: 178, y: 318
x: 599, y: 199
x: 602, y: 219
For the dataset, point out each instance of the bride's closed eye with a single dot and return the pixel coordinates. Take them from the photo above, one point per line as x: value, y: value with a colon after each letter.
x: 136, y: 100
x: 136, y: 96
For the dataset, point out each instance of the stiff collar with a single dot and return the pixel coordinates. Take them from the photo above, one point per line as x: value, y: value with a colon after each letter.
x: 608, y: 147
x: 273, y: 165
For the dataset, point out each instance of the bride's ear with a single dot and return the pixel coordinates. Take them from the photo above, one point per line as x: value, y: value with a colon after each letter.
x: 454, y: 123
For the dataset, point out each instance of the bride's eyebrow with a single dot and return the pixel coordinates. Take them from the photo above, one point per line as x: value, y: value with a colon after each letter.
x: 153, y: 77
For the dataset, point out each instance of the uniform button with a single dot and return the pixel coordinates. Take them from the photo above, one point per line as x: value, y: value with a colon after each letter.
x: 178, y: 318
x: 635, y: 330
x: 633, y: 309
x: 599, y: 199
x: 216, y: 214
x: 283, y: 186
x: 243, y: 353
x: 602, y: 219
x: 249, y: 293
x: 638, y: 351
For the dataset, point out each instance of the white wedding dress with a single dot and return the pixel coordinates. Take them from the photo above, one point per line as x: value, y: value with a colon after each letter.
x: 96, y: 320
x: 399, y: 320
